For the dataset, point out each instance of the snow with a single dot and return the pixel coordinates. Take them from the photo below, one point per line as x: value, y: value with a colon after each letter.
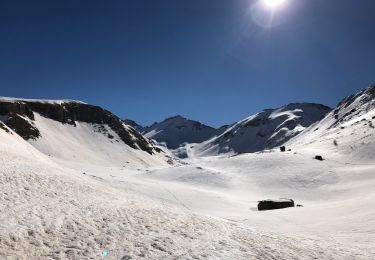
x: 347, y: 132
x: 204, y: 209
x: 74, y: 193
x: 45, y: 101
x: 176, y: 131
x: 267, y: 129
x: 87, y: 145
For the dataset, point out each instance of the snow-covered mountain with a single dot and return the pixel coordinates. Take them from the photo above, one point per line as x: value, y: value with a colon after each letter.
x: 74, y: 131
x: 348, y: 130
x: 265, y: 130
x: 121, y: 208
x: 177, y: 130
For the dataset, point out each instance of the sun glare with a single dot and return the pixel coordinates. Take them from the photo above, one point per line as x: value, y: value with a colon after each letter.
x: 273, y: 3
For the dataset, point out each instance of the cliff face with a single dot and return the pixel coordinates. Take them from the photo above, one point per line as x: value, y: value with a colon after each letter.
x: 19, y: 116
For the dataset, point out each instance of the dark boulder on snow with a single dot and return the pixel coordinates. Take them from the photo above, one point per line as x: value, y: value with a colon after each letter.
x: 275, y: 204
x: 319, y: 157
x: 282, y: 149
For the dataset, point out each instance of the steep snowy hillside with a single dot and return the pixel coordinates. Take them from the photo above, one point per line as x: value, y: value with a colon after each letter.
x: 178, y: 130
x: 347, y: 130
x: 77, y: 132
x: 264, y: 130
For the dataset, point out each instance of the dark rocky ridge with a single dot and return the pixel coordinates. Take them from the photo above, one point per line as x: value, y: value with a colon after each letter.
x: 21, y: 116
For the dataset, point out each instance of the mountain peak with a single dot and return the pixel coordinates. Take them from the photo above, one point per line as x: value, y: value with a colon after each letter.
x: 173, y: 118
x: 177, y: 130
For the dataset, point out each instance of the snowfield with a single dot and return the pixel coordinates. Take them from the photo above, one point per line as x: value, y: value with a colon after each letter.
x: 74, y: 193
x: 203, y: 210
x: 48, y: 212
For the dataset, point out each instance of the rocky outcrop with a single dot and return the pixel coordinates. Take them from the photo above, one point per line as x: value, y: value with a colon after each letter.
x: 18, y: 108
x: 24, y: 127
x: 20, y: 117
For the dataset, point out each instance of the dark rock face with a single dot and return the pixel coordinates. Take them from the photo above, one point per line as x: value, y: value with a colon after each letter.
x: 19, y: 108
x: 69, y: 113
x: 22, y: 127
x: 275, y: 204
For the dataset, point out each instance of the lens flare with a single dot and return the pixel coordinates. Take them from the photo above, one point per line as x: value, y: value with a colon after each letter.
x: 273, y: 3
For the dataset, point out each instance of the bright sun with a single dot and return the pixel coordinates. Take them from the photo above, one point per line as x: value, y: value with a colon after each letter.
x: 273, y: 3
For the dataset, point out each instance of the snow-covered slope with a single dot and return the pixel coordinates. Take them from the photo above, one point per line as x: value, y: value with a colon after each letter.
x: 177, y: 130
x: 348, y: 130
x: 75, y: 132
x: 197, y: 211
x: 267, y: 129
x: 204, y: 209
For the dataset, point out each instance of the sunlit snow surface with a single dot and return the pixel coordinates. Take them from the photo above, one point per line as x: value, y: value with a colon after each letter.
x: 65, y: 198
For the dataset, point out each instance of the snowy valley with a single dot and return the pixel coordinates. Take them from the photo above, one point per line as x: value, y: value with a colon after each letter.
x: 78, y: 182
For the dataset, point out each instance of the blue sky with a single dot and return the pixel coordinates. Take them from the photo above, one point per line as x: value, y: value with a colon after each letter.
x: 215, y: 61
